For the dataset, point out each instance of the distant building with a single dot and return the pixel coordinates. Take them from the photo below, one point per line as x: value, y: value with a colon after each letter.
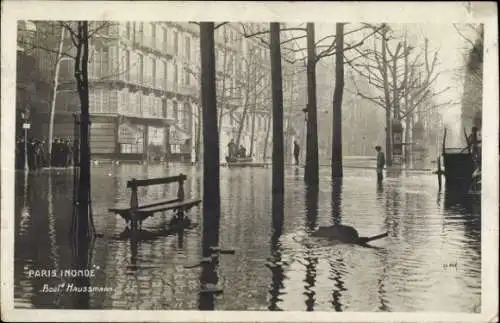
x: 144, y: 87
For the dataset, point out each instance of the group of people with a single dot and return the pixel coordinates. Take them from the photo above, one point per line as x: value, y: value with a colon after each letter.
x: 234, y: 151
x: 38, y: 153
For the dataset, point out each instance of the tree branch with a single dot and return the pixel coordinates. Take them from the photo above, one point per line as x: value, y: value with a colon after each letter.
x: 220, y: 25
x: 463, y: 36
x: 326, y: 53
x: 74, y: 37
x: 292, y: 39
x: 106, y: 24
x: 377, y: 100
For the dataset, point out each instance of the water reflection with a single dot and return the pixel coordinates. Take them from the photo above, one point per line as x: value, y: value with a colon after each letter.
x: 336, y: 200
x: 208, y: 280
x: 276, y: 263
x: 337, y: 267
x: 82, y: 260
x: 380, y: 189
x: 404, y: 274
x: 310, y: 258
x: 210, y: 239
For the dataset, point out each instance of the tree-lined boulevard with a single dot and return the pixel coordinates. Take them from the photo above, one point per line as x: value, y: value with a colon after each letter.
x: 386, y: 69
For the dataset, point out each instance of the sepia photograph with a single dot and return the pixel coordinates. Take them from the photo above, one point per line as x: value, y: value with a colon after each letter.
x: 249, y: 165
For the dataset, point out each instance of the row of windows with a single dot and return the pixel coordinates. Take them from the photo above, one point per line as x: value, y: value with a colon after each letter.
x: 135, y: 148
x: 153, y: 72
x: 102, y: 101
x: 138, y: 104
x: 158, y: 36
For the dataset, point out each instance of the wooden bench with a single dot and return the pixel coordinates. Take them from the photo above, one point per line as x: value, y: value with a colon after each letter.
x: 137, y: 212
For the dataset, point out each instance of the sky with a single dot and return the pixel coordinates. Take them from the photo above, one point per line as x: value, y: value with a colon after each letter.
x: 442, y: 37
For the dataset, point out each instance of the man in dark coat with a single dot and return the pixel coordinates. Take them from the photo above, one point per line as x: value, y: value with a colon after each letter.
x: 296, y: 151
x: 380, y: 163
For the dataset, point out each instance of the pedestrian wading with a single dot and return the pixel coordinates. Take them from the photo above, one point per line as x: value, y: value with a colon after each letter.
x: 344, y: 233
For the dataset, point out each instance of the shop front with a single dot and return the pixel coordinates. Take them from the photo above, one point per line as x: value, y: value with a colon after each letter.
x: 180, y: 144
x: 142, y: 138
x: 131, y: 141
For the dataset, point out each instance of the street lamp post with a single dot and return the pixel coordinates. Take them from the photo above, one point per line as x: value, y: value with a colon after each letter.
x: 305, y: 129
x: 26, y: 126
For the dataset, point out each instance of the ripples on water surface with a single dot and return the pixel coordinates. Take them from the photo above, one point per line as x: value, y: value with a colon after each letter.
x: 291, y: 272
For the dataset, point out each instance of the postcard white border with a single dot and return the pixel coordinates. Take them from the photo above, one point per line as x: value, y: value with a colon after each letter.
x: 402, y: 12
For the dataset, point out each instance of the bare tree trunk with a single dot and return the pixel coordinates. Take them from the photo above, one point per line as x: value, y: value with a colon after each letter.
x: 395, y: 91
x: 311, y: 174
x: 407, y: 150
x: 254, y: 107
x: 288, y: 152
x: 387, y: 99
x: 277, y: 96
x: 268, y: 130
x: 84, y: 220
x: 211, y: 189
x: 407, y: 139
x: 198, y: 137
x: 245, y: 107
x: 337, y: 103
x: 222, y: 100
x: 54, y: 93
x: 242, y: 123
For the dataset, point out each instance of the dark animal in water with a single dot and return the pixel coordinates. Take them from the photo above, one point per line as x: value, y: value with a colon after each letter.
x: 345, y: 233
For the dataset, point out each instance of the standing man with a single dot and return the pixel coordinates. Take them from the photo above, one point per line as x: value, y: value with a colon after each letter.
x: 474, y: 143
x: 380, y: 163
x: 296, y: 151
x: 231, y: 148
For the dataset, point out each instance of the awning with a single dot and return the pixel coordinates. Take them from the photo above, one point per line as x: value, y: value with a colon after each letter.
x: 129, y: 133
x: 177, y: 135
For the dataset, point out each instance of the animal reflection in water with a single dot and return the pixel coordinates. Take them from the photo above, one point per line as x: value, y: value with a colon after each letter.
x: 345, y: 234
x: 174, y: 226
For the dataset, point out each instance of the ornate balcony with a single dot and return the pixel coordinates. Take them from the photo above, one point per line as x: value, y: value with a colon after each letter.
x: 171, y: 87
x: 189, y: 90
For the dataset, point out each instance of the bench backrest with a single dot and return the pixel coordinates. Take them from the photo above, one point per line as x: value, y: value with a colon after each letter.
x: 155, y: 181
x: 135, y: 183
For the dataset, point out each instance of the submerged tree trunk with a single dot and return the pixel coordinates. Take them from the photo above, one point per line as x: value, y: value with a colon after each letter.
x: 337, y: 103
x: 277, y: 97
x: 84, y: 218
x: 211, y: 189
x: 54, y: 93
x: 311, y: 173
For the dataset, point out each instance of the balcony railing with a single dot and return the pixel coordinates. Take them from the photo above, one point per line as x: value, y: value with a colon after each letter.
x: 189, y: 90
x: 171, y: 86
x: 168, y: 49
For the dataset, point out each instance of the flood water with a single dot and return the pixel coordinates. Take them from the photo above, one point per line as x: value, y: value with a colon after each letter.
x: 431, y: 260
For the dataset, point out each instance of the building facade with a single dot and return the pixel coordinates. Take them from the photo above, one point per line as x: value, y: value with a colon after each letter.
x: 144, y: 88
